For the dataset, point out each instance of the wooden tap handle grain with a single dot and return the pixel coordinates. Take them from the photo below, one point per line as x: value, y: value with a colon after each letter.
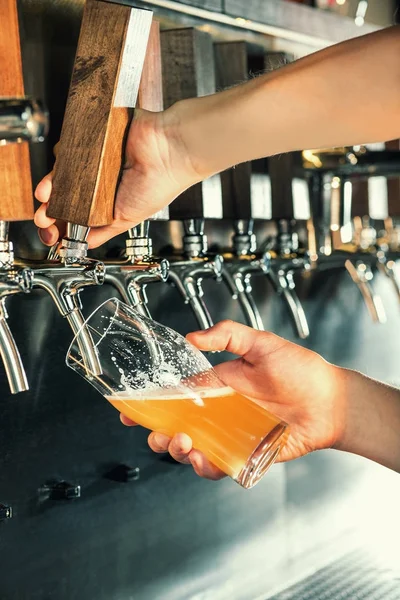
x: 16, y: 202
x: 103, y: 92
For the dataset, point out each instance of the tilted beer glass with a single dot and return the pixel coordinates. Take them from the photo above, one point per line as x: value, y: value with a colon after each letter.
x: 152, y: 375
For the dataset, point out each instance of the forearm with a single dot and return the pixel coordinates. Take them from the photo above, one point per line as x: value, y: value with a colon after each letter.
x: 346, y: 94
x: 371, y: 421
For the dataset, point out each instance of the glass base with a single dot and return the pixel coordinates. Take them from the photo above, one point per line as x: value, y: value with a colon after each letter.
x: 263, y: 457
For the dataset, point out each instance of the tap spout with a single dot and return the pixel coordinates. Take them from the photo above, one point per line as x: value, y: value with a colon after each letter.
x: 362, y: 275
x: 188, y: 284
x: 283, y: 283
x: 239, y: 284
x: 85, y: 341
x: 10, y: 355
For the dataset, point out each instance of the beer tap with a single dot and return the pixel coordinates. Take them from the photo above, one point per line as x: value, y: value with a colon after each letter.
x: 369, y: 196
x: 286, y: 256
x: 188, y: 65
x: 13, y: 280
x: 102, y: 94
x: 139, y: 267
x: 21, y: 120
x: 331, y: 198
x: 241, y: 261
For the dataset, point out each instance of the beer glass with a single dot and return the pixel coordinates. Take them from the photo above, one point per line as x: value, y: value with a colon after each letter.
x: 152, y: 375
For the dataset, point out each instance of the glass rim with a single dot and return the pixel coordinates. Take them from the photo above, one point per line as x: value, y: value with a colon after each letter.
x: 114, y: 299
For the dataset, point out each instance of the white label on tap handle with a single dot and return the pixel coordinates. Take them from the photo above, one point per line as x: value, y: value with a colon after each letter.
x: 133, y: 57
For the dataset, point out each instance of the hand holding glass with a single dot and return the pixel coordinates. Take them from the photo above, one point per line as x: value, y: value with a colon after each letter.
x: 153, y: 376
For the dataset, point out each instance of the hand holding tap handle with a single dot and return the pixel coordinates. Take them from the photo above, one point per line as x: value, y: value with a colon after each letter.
x: 103, y: 92
x: 102, y: 95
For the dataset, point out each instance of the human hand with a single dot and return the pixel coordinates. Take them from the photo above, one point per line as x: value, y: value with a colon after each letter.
x: 294, y: 383
x: 157, y: 169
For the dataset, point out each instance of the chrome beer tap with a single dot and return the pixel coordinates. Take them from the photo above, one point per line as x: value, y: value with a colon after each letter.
x: 188, y: 269
x: 286, y: 259
x: 188, y: 67
x: 63, y: 276
x: 13, y: 280
x: 87, y: 170
x: 131, y: 274
x: 331, y: 213
x: 21, y: 120
x: 241, y: 263
x: 241, y: 260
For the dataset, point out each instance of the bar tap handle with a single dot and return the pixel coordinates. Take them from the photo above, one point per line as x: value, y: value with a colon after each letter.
x: 131, y: 275
x: 241, y: 261
x: 188, y: 67
x: 103, y: 92
x: 16, y: 193
x: 102, y: 95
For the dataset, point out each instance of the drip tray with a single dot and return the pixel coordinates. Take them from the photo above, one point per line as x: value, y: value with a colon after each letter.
x: 355, y: 576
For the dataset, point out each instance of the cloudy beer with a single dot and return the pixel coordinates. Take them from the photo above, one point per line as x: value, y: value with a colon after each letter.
x: 227, y: 427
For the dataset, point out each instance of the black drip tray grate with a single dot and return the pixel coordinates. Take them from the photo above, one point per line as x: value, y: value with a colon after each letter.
x: 356, y: 576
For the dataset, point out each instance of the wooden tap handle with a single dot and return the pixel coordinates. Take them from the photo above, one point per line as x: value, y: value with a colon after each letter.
x: 103, y: 92
x: 188, y: 67
x: 231, y: 69
x: 16, y: 202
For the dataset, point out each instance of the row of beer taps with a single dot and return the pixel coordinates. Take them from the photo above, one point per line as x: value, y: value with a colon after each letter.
x: 68, y: 270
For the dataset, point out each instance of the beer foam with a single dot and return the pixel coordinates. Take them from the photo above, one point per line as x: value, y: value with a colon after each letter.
x: 181, y: 393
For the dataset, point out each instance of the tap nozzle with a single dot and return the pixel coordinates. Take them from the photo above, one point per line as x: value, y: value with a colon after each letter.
x: 195, y: 242
x: 244, y: 240
x: 63, y: 276
x: 74, y: 246
x: 187, y: 275
x: 139, y: 244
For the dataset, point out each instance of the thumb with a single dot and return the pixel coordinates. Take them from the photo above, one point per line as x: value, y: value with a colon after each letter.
x: 236, y: 338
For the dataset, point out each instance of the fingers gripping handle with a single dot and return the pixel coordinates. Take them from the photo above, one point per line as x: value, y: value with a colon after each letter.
x: 103, y: 91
